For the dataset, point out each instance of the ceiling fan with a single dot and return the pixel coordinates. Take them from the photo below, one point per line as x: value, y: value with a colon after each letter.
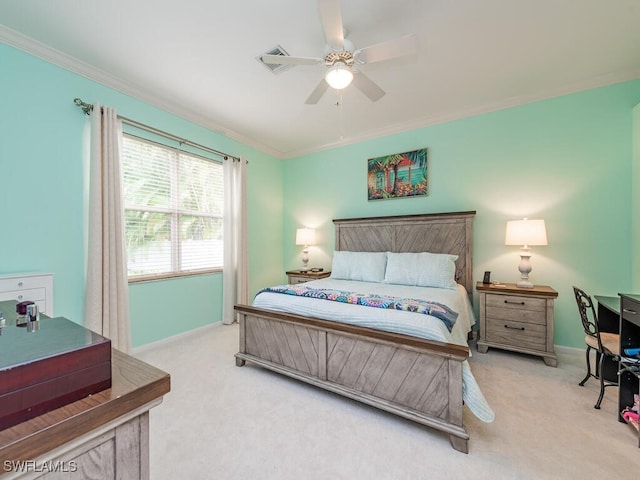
x: 341, y: 57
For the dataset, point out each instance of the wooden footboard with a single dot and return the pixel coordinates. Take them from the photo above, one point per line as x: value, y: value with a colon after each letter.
x: 417, y: 379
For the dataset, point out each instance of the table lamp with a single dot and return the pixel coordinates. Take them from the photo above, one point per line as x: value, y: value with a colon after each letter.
x: 526, y: 233
x: 306, y: 237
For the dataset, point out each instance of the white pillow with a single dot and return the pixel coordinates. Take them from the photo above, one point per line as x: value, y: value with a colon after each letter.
x: 422, y: 269
x: 360, y: 266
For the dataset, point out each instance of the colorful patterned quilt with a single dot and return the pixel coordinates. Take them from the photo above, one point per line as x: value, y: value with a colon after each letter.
x: 441, y: 312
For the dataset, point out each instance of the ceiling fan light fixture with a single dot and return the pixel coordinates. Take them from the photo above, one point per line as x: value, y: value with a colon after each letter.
x: 339, y: 76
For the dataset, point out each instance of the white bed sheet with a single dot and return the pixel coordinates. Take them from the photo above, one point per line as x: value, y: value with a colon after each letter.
x: 414, y: 324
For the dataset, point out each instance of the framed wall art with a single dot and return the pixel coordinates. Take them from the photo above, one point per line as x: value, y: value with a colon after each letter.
x: 398, y: 175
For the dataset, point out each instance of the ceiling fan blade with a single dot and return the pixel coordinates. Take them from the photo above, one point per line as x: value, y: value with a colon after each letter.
x: 367, y: 86
x: 400, y: 47
x: 331, y: 16
x: 317, y: 93
x: 287, y: 60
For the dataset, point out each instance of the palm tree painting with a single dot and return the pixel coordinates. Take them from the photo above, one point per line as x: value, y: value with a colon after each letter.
x: 398, y: 175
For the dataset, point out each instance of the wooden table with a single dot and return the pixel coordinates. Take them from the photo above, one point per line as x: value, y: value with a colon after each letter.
x: 105, y: 435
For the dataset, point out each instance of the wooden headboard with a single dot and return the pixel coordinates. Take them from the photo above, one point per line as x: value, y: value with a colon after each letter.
x: 434, y: 232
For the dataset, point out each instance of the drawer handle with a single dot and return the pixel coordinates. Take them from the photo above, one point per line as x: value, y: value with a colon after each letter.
x: 514, y: 303
x: 20, y: 284
x: 626, y: 310
x: 514, y: 328
x: 19, y: 297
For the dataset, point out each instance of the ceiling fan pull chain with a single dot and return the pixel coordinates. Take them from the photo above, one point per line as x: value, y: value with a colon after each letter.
x: 340, y: 115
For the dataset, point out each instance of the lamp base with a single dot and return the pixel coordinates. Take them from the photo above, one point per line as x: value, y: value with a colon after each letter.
x: 305, y: 259
x: 524, y: 268
x: 524, y: 284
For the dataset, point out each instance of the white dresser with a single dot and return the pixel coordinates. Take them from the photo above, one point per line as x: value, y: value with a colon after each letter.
x: 37, y: 287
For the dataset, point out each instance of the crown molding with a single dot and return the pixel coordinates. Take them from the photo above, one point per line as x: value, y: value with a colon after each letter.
x: 51, y: 55
x: 428, y: 121
x: 74, y: 65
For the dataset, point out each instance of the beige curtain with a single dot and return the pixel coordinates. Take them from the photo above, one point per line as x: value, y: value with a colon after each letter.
x: 107, y: 289
x: 235, y: 275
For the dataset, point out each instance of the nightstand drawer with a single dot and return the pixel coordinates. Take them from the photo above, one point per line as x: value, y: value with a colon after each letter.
x: 527, y: 316
x: 295, y: 280
x: 298, y: 276
x: 517, y: 302
x: 519, y: 334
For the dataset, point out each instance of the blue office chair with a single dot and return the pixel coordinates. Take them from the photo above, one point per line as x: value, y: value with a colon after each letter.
x: 605, y: 344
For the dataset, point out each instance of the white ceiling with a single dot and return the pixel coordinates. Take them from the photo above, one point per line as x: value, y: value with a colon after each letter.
x: 197, y: 59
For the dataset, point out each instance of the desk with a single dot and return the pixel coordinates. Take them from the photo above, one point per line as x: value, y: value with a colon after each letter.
x: 609, y: 321
x: 608, y: 313
x: 629, y: 385
x: 628, y: 326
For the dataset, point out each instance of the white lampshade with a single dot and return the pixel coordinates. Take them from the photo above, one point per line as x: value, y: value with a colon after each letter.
x: 305, y: 236
x: 526, y: 232
x: 339, y: 76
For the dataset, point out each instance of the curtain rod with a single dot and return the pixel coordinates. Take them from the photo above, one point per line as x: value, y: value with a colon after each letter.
x: 87, y: 108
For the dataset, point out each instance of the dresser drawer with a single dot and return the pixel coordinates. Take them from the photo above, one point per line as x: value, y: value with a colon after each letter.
x: 36, y: 295
x: 36, y: 287
x: 20, y: 283
x: 33, y: 294
x: 518, y: 334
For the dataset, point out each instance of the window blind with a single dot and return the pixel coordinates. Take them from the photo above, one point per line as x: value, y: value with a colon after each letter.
x: 173, y: 210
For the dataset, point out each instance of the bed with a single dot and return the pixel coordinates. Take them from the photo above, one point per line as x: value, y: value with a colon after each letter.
x: 360, y: 353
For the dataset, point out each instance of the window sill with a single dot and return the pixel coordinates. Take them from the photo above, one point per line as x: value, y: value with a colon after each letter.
x: 167, y: 276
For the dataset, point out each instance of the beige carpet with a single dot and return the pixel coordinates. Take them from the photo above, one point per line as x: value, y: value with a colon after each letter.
x: 224, y: 422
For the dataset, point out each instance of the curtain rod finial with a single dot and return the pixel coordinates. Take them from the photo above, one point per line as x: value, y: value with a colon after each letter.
x: 86, y: 108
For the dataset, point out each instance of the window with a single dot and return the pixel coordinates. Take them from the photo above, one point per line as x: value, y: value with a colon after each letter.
x: 173, y: 210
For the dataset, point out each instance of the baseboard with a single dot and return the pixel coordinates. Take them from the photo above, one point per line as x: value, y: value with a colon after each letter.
x: 173, y: 338
x: 569, y: 350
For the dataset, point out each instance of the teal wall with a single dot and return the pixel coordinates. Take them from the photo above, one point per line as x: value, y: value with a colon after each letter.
x: 635, y: 209
x: 566, y: 160
x: 42, y: 196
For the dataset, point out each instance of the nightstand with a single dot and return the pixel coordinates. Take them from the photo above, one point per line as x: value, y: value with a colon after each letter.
x: 298, y: 276
x: 517, y: 319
